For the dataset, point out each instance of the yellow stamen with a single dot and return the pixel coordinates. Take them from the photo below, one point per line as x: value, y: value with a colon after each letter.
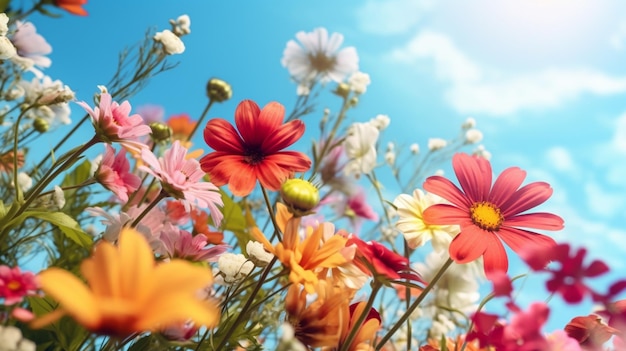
x: 14, y: 285
x: 486, y: 215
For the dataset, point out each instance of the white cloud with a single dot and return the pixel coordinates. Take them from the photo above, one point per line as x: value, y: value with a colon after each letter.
x: 601, y: 202
x: 391, y: 16
x: 560, y: 159
x: 617, y: 39
x: 476, y: 89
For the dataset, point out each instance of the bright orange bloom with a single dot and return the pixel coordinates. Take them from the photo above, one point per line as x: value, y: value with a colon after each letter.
x: 489, y: 214
x: 72, y: 6
x: 451, y: 345
x: 253, y: 151
x: 182, y: 125
x: 127, y: 292
x: 319, y: 323
x: 367, y: 331
x: 308, y: 257
x: 200, y: 221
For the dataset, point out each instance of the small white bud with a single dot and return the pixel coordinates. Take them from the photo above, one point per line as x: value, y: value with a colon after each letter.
x: 469, y: 123
x: 473, y: 136
x: 415, y: 149
x: 171, y: 42
x: 436, y: 144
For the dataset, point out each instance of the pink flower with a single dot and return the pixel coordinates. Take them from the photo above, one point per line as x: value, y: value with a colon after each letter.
x: 15, y: 285
x: 489, y: 214
x: 113, y: 173
x: 181, y: 244
x: 181, y: 179
x: 357, y: 209
x: 114, y: 124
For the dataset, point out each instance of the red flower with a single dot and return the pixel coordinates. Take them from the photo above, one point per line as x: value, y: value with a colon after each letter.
x: 384, y: 261
x: 15, y: 284
x: 488, y: 214
x: 589, y: 331
x: 253, y: 150
x: 72, y: 6
x: 568, y: 278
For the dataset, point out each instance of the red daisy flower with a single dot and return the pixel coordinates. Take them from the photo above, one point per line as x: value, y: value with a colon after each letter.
x: 253, y: 150
x: 488, y: 213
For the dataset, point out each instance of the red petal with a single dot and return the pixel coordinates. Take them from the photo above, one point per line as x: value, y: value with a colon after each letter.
x: 222, y: 136
x: 220, y: 166
x: 293, y: 161
x: 271, y: 175
x: 539, y: 220
x: 506, y: 184
x: 520, y: 239
x: 495, y: 256
x: 446, y: 189
x: 443, y: 214
x: 242, y: 180
x: 246, y: 119
x: 474, y: 174
x: 283, y: 136
x: 469, y: 244
x: 529, y: 196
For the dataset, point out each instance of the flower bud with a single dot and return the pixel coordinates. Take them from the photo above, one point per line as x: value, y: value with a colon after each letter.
x: 300, y: 196
x: 41, y: 125
x: 342, y: 90
x: 160, y: 131
x: 218, y: 90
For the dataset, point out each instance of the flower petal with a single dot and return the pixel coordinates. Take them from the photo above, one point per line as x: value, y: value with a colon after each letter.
x: 469, y: 244
x: 538, y: 220
x: 222, y: 136
x: 527, y: 197
x: 283, y: 136
x: 242, y: 180
x: 441, y: 186
x: 520, y: 239
x: 495, y: 258
x: 246, y: 119
x: 444, y: 214
x: 506, y: 184
x: 474, y: 175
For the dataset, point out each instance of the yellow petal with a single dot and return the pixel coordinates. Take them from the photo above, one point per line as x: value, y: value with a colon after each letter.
x: 179, y: 276
x: 102, y: 270
x: 72, y: 294
x: 177, y: 309
x: 136, y: 264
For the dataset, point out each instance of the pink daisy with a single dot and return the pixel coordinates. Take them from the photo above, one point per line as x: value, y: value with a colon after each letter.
x: 113, y: 173
x: 15, y: 284
x: 181, y: 244
x: 114, y: 124
x: 488, y: 214
x: 181, y: 179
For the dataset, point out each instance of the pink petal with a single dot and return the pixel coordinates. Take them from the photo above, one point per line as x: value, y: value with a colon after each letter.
x: 474, y: 175
x: 529, y: 196
x: 506, y: 184
x: 443, y: 214
x: 539, y: 220
x: 441, y: 186
x: 520, y: 240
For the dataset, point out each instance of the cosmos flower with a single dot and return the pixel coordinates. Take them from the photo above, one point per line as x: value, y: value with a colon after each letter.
x: 180, y: 243
x: 113, y: 173
x: 127, y: 292
x: 253, y: 151
x: 181, y: 178
x: 319, y: 57
x: 488, y: 214
x: 15, y: 284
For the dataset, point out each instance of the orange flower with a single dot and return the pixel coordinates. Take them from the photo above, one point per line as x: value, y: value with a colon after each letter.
x: 450, y: 344
x: 200, y: 221
x: 181, y: 125
x: 72, y: 6
x: 127, y: 292
x: 319, y: 323
x: 367, y: 331
x: 253, y: 151
x: 308, y: 257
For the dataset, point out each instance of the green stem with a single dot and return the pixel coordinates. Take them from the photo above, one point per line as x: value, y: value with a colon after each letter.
x: 376, y: 285
x: 202, y: 116
x: 326, y: 147
x: 414, y: 305
x: 271, y: 212
x: 162, y: 195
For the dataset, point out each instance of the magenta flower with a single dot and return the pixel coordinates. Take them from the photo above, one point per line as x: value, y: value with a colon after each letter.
x: 113, y: 123
x: 181, y: 179
x: 113, y: 173
x: 15, y: 285
x: 181, y: 244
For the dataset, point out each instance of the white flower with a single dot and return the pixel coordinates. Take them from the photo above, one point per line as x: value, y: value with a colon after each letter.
x: 45, y: 91
x: 436, y: 144
x: 24, y: 181
x: 469, y: 123
x: 4, y: 24
x: 15, y: 93
x: 360, y: 148
x: 380, y: 122
x: 171, y: 42
x: 31, y: 45
x: 319, y: 57
x: 358, y: 82
x: 411, y: 222
x: 11, y: 340
x: 303, y: 88
x: 415, y: 149
x: 7, y: 50
x: 234, y: 267
x: 257, y: 254
x: 181, y: 26
x: 473, y: 136
x: 390, y: 157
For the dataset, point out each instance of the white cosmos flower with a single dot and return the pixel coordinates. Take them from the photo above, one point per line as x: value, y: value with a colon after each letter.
x: 318, y: 57
x: 171, y: 42
x: 360, y: 148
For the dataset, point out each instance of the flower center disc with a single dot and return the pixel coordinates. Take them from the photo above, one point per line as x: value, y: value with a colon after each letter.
x: 321, y: 62
x: 486, y: 216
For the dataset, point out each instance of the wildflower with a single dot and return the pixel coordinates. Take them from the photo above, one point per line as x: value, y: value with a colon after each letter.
x: 182, y: 125
x: 473, y: 136
x: 489, y: 213
x: 589, y: 331
x: 4, y: 24
x: 24, y: 181
x: 319, y: 57
x: 469, y: 123
x: 180, y: 243
x: 113, y: 123
x: 30, y: 45
x: 253, y: 151
x: 171, y: 42
x: 72, y: 6
x: 380, y: 122
x: 113, y: 173
x: 11, y: 339
x: 416, y: 231
x: 360, y: 148
x: 375, y: 256
x: 356, y: 208
x: 358, y: 82
x: 257, y: 254
x: 435, y: 144
x: 567, y: 279
x: 127, y: 292
x: 366, y: 331
x: 7, y: 49
x: 415, y: 148
x: 15, y: 284
x: 200, y: 220
x: 234, y: 267
x: 181, y: 178
x: 181, y: 26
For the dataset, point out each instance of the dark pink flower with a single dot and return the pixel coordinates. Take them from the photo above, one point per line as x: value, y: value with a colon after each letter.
x: 113, y: 173
x: 181, y: 244
x: 15, y: 284
x: 382, y: 260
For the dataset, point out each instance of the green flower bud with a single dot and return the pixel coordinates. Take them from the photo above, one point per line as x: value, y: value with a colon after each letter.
x: 218, y: 90
x: 41, y: 125
x: 300, y: 196
x: 160, y: 131
x: 342, y: 90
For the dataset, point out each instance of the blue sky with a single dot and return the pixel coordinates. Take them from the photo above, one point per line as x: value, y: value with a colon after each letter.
x: 545, y: 80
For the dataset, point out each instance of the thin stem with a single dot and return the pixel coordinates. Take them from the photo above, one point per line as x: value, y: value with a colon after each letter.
x: 202, y: 116
x: 271, y: 211
x: 415, y: 304
x: 326, y: 147
x: 162, y: 195
x: 376, y: 285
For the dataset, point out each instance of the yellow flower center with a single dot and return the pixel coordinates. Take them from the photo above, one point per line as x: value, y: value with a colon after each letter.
x: 14, y: 285
x: 486, y: 215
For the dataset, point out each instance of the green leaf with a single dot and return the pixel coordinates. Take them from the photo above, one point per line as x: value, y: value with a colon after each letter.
x: 234, y: 220
x: 66, y: 224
